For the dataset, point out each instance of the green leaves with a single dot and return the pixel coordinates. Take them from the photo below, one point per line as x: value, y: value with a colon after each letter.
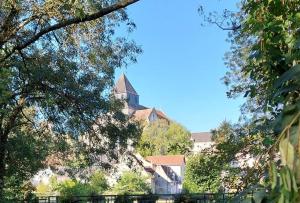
x: 98, y: 182
x: 287, y: 153
x: 291, y: 74
x: 259, y: 196
x: 273, y: 176
x: 202, y: 174
x: 267, y: 47
x: 53, y: 73
x: 70, y: 188
x: 162, y: 138
x: 288, y: 186
x: 132, y: 183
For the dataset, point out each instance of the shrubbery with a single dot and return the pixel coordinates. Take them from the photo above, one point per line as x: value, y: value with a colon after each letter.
x: 70, y: 188
x: 129, y: 183
x: 132, y: 183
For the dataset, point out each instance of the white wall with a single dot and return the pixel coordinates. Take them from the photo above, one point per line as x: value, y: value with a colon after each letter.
x: 199, y: 146
x: 152, y: 117
x: 177, y: 170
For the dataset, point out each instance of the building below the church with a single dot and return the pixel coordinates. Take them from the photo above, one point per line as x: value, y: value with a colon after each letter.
x: 167, y: 173
x: 201, y: 141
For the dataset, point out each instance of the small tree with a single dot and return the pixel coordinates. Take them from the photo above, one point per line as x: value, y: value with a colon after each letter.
x: 98, y: 182
x: 132, y: 183
x: 203, y: 174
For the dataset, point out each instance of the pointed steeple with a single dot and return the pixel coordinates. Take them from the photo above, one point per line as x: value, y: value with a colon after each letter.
x: 123, y: 90
x: 124, y: 86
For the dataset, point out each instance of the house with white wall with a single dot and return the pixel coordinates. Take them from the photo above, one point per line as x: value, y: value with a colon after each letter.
x: 167, y: 173
x: 201, y: 141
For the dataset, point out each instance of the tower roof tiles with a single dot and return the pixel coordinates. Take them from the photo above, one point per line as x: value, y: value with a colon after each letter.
x: 124, y: 86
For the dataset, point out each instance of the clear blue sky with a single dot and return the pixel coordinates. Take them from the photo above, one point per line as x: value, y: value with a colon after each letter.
x: 181, y: 66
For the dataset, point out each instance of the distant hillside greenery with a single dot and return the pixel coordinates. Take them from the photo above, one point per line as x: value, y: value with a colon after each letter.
x: 163, y: 138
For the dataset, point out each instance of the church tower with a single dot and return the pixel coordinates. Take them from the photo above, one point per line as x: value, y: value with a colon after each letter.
x: 124, y: 90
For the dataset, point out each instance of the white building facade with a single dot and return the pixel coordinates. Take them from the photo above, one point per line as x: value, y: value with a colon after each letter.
x: 167, y: 173
x: 201, y: 141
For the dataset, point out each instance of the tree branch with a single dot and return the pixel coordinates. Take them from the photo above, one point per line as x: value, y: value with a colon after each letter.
x: 12, y: 118
x: 68, y: 22
x: 234, y: 27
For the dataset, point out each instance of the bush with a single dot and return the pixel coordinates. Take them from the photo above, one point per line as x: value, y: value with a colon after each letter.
x: 202, y: 174
x: 132, y: 183
x: 98, y: 183
x: 69, y: 189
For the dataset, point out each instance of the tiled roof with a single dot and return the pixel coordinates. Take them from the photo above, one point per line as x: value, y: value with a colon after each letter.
x: 123, y: 86
x: 202, y: 137
x: 167, y: 160
x: 161, y: 115
x: 142, y: 114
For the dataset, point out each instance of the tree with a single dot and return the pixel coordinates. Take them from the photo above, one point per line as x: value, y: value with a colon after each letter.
x: 266, y: 46
x: 27, y: 150
x: 225, y: 166
x: 203, y: 174
x: 98, y: 182
x: 223, y: 133
x: 236, y: 149
x: 59, y: 58
x: 132, y: 183
x: 264, y: 67
x: 163, y: 138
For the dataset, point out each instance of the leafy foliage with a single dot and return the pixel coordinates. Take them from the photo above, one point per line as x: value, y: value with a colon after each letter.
x: 202, y: 174
x: 98, y: 182
x: 132, y: 183
x: 264, y: 67
x: 27, y: 149
x: 163, y: 138
x: 70, y: 188
x: 223, y: 133
x: 59, y: 59
x: 267, y: 48
x: 226, y: 166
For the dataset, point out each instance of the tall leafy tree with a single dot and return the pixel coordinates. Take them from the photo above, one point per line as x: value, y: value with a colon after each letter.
x: 59, y: 58
x: 163, y: 138
x: 264, y: 67
x: 28, y: 148
x: 225, y: 166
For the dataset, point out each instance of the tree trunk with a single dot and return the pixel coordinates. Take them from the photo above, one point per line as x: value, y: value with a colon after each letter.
x: 4, y: 132
x: 3, y: 142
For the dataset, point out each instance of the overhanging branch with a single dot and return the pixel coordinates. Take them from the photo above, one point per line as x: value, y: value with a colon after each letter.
x: 68, y: 22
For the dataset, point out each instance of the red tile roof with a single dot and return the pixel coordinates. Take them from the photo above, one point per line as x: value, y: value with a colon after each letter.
x: 171, y: 160
x: 142, y: 114
x: 161, y: 115
x: 145, y: 113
